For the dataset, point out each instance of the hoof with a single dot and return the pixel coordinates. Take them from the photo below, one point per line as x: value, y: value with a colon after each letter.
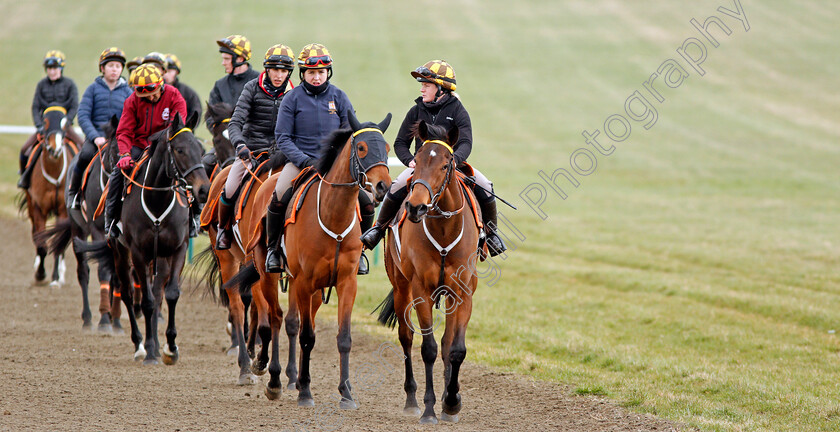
x: 105, y: 328
x: 292, y: 386
x: 229, y: 329
x: 273, y: 393
x: 257, y: 370
x: 233, y: 351
x: 55, y: 284
x: 169, y: 357
x: 454, y: 409
x: 150, y: 362
x: 117, y: 328
x: 306, y: 402
x: 140, y: 353
x: 429, y: 420
x: 348, y: 404
x: 87, y: 326
x: 449, y: 418
x: 411, y: 411
x: 248, y: 379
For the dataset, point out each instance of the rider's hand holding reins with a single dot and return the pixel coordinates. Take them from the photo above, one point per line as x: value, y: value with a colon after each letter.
x: 125, y: 162
x: 243, y: 153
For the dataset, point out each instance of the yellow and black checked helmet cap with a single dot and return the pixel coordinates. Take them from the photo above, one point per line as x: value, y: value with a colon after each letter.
x: 155, y: 58
x: 133, y: 63
x: 279, y: 57
x: 54, y: 58
x: 436, y: 72
x: 236, y: 45
x: 111, y: 54
x: 172, y: 62
x: 144, y: 75
x: 314, y: 56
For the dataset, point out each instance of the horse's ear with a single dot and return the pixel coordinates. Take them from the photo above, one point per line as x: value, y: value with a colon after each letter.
x: 354, y: 122
x: 177, y: 123
x: 192, y: 120
x: 423, y: 130
x: 383, y: 126
x: 452, y: 135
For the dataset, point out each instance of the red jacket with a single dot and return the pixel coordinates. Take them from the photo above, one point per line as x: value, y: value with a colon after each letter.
x: 141, y: 118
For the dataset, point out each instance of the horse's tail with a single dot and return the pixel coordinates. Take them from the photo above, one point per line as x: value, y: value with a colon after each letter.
x: 246, y: 277
x: 98, y: 250
x: 20, y: 202
x: 58, y: 237
x: 206, y: 267
x: 387, y: 311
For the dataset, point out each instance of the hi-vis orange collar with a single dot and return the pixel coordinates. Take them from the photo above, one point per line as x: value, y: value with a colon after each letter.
x: 448, y: 147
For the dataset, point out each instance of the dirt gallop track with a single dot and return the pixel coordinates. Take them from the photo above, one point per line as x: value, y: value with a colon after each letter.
x: 54, y: 377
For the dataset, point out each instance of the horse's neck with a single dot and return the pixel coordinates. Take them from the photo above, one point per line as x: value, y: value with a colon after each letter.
x: 52, y: 165
x: 451, y: 200
x: 158, y: 176
x: 341, y: 198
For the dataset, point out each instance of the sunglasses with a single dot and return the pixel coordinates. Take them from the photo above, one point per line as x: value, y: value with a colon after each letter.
x: 146, y: 89
x: 280, y: 58
x: 318, y: 61
x: 426, y: 73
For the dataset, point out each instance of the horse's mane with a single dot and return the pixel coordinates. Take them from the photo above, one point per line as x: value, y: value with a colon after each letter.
x: 333, y: 144
x: 435, y: 132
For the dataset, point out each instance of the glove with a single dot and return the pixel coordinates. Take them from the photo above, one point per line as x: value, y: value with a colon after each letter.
x: 125, y: 162
x: 243, y: 153
x: 308, y: 162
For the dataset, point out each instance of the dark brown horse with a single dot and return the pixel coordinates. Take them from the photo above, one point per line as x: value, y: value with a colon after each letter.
x: 82, y: 224
x: 323, y: 248
x: 45, y: 195
x: 155, y: 230
x: 223, y: 152
x: 437, y: 246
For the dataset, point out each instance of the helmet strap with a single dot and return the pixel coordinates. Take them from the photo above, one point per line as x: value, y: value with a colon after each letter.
x: 236, y: 63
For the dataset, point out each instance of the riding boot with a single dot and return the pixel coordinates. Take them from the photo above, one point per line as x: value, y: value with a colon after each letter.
x: 274, y: 224
x: 390, y: 206
x: 367, y: 221
x: 72, y: 198
x: 113, y: 204
x: 224, y: 237
x: 488, y: 212
x: 25, y: 177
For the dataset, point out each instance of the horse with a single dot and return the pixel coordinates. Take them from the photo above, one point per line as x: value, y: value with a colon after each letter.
x: 224, y: 153
x: 45, y: 196
x: 323, y: 248
x: 82, y: 224
x: 221, y: 266
x: 440, y: 212
x: 155, y: 230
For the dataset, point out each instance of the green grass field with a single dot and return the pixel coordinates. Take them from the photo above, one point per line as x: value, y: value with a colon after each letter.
x: 693, y: 275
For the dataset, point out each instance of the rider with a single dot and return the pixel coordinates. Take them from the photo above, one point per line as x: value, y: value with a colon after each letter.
x: 146, y: 111
x: 156, y: 59
x: 173, y: 69
x: 308, y: 114
x: 236, y: 51
x: 133, y: 63
x: 102, y: 99
x: 54, y: 89
x: 438, y: 104
x: 251, y: 127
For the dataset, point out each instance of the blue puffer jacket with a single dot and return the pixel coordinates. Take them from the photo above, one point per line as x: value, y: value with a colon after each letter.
x: 99, y: 103
x: 306, y: 118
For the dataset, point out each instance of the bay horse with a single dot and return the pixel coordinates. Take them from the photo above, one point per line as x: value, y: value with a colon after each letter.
x: 155, y: 230
x: 323, y: 247
x: 221, y: 266
x: 82, y: 224
x: 439, y: 243
x: 45, y: 195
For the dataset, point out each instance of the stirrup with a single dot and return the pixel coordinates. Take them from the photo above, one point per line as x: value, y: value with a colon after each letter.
x: 273, y: 261
x: 364, y: 265
x: 495, y: 244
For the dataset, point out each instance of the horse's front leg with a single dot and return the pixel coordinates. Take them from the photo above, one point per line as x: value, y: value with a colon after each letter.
x: 346, y: 299
x: 303, y: 298
x: 147, y: 304
x: 456, y: 352
x: 83, y: 275
x: 59, y: 267
x: 39, y: 221
x: 172, y: 294
x: 428, y: 349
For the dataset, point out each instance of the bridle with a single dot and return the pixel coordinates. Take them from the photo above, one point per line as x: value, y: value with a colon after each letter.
x: 436, y: 196
x: 357, y: 169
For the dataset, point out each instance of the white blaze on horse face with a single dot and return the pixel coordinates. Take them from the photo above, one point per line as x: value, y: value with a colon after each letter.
x: 432, y: 153
x: 226, y: 135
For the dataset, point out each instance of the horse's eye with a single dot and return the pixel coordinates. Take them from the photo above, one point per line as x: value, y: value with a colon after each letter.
x: 180, y: 151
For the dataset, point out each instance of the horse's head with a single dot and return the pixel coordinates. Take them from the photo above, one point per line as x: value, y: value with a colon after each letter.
x: 371, y: 149
x: 185, y: 154
x: 219, y: 115
x: 434, y: 163
x: 55, y: 118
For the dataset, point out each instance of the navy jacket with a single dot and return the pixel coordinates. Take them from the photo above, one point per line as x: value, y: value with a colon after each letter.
x: 228, y: 88
x: 99, y: 103
x: 59, y: 92
x: 306, y: 118
x: 449, y: 112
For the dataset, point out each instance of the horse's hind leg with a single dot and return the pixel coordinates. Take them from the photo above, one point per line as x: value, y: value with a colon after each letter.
x: 406, y: 335
x: 83, y: 275
x: 40, y: 270
x: 457, y: 352
x: 123, y: 274
x: 59, y: 268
